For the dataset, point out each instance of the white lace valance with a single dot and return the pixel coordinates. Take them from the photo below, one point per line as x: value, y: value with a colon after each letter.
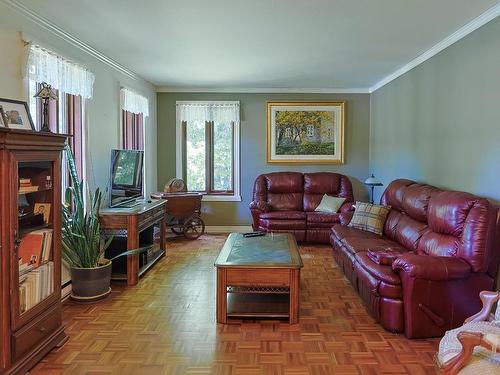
x: 61, y: 74
x: 209, y: 111
x: 134, y: 102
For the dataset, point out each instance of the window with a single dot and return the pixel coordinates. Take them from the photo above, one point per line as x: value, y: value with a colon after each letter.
x: 310, y: 130
x: 73, y: 84
x: 208, y: 148
x: 134, y: 110
x: 66, y: 116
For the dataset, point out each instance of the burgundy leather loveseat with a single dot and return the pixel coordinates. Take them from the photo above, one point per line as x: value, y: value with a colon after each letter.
x: 285, y: 202
x: 451, y: 253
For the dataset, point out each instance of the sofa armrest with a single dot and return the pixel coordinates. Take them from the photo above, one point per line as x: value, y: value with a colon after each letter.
x: 260, y: 206
x: 347, y: 207
x: 432, y: 267
x: 345, y: 217
x: 256, y: 208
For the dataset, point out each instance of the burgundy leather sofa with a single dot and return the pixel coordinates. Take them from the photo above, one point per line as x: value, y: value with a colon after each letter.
x: 451, y: 253
x: 285, y: 202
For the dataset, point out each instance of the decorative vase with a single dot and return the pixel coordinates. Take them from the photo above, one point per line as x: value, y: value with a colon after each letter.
x: 91, y: 284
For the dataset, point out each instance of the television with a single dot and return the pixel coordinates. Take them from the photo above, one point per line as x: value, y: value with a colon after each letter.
x: 126, y: 177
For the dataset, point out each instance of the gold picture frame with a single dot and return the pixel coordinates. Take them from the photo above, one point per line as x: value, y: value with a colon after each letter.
x: 306, y: 132
x: 3, y: 119
x: 44, y: 209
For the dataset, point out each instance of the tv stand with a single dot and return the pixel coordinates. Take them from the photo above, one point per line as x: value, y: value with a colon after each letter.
x: 130, y: 224
x: 127, y: 204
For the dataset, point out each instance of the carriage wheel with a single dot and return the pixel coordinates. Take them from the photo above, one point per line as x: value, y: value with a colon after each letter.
x: 194, y: 227
x: 177, y: 230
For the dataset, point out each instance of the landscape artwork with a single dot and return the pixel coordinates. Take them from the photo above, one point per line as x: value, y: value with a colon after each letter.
x: 311, y: 133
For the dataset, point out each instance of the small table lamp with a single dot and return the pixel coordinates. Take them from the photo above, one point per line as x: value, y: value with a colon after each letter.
x: 373, y: 181
x: 46, y: 93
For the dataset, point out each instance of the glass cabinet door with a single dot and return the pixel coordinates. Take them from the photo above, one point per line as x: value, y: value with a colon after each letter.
x: 34, y: 237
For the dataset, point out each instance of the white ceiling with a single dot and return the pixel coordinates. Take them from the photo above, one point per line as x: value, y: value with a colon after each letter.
x: 323, y: 44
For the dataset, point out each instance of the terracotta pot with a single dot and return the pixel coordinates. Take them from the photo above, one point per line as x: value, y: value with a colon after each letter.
x: 91, y: 284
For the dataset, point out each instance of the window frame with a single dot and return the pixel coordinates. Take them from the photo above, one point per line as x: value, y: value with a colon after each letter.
x: 211, y: 195
x: 58, y: 122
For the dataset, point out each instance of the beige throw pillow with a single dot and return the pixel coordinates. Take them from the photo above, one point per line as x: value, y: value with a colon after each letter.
x: 330, y: 204
x: 369, y: 217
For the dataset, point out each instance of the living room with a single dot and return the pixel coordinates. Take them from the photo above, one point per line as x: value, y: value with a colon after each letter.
x: 410, y: 91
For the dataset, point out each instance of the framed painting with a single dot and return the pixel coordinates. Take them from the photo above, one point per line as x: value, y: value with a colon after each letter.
x: 17, y: 114
x: 3, y: 121
x: 307, y: 133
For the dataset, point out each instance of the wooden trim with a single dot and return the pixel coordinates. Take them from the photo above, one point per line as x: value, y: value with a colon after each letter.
x: 209, y: 156
x: 184, y: 152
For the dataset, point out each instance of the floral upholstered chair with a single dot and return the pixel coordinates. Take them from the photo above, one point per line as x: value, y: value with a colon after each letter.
x: 473, y: 348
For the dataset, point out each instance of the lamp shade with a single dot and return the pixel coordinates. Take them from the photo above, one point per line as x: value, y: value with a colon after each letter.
x: 373, y: 181
x: 46, y: 92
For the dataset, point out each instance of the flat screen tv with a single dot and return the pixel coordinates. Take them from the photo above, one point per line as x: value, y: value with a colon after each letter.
x: 126, y: 177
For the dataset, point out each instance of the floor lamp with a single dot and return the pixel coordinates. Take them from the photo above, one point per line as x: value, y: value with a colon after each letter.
x: 373, y: 181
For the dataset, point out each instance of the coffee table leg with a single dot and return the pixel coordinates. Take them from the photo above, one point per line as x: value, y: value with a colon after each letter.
x: 221, y: 296
x: 294, y: 296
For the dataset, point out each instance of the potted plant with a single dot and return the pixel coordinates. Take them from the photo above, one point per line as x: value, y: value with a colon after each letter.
x: 82, y: 246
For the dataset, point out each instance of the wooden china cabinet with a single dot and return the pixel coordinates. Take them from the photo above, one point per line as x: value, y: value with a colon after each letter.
x: 30, y: 253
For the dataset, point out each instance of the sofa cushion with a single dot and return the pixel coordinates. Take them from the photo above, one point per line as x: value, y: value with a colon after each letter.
x: 284, y: 215
x: 342, y: 232
x: 285, y: 201
x: 320, y: 183
x: 369, y: 217
x: 329, y: 204
x: 372, y: 287
x: 416, y: 201
x: 271, y: 224
x: 356, y: 245
x: 381, y: 272
x: 285, y: 191
x: 284, y: 182
x: 322, y: 217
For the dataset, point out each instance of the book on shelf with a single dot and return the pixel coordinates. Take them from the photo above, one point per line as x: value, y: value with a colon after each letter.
x: 27, y: 189
x: 36, y: 286
x: 25, y: 182
x: 35, y: 247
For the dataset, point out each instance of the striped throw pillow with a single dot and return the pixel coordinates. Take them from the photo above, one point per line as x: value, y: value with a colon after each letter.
x: 369, y: 217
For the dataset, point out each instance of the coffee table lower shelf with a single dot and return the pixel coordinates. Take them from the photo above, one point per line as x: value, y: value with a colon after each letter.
x: 257, y: 305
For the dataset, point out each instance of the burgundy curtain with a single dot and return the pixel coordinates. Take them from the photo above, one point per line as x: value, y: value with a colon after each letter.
x: 75, y: 129
x: 133, y: 130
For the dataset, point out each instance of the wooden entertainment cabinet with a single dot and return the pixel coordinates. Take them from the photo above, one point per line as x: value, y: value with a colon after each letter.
x: 30, y: 253
x: 133, y: 228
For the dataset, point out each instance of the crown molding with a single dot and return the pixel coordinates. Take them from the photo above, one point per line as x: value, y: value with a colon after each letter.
x: 461, y: 33
x: 74, y: 41
x: 263, y: 90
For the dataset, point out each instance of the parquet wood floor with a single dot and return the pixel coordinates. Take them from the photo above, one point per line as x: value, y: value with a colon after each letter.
x: 166, y: 326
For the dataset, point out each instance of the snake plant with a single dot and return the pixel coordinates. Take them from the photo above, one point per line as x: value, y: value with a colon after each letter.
x: 82, y: 246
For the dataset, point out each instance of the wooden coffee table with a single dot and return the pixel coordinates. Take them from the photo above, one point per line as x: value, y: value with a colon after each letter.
x: 258, y: 277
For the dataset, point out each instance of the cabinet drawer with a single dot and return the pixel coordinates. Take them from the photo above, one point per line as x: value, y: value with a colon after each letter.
x: 258, y: 277
x: 34, y: 332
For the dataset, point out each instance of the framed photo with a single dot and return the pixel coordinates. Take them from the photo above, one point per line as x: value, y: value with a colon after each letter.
x: 17, y: 114
x: 3, y: 121
x: 43, y: 208
x: 305, y: 132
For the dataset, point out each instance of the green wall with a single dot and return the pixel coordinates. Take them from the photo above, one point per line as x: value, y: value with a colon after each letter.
x: 440, y: 122
x: 253, y: 146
